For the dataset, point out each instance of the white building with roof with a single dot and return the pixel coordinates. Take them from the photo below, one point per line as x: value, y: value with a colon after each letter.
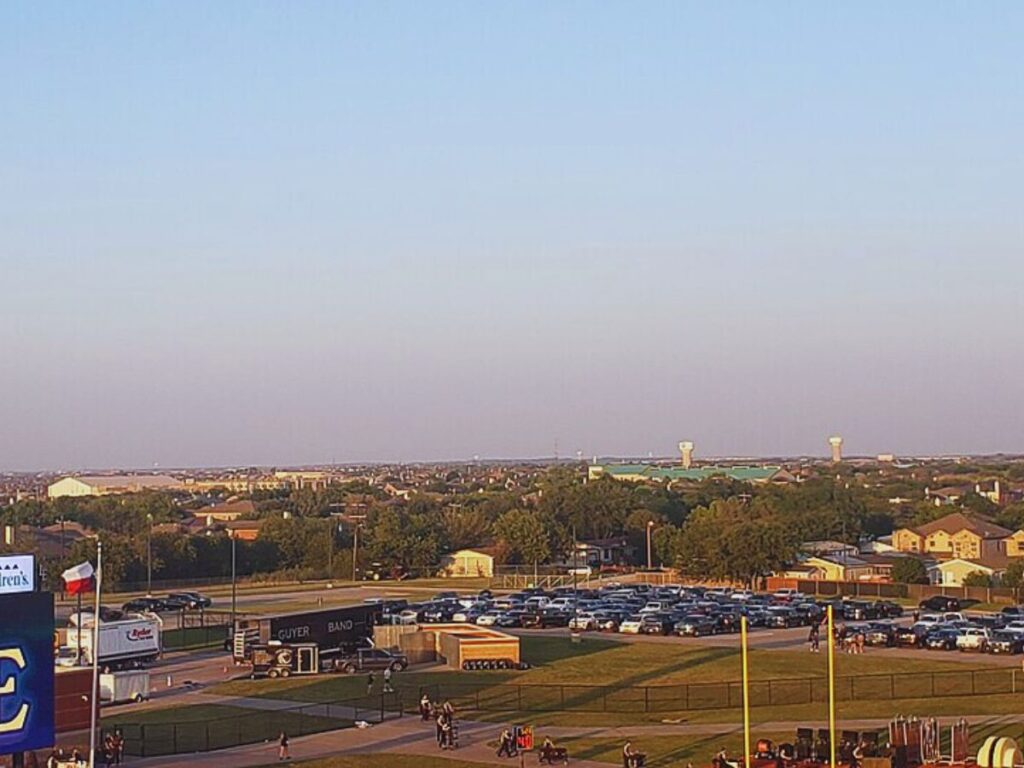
x: 105, y: 485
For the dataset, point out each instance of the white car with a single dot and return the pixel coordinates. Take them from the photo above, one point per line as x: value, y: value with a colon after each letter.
x: 631, y: 626
x: 653, y: 606
x: 1015, y: 627
x: 787, y: 594
x: 583, y: 621
x: 487, y: 619
x: 972, y: 639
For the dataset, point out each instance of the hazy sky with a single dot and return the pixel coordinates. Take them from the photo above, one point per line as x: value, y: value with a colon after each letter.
x: 300, y: 232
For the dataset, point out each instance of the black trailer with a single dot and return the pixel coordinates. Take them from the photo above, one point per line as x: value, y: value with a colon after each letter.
x: 333, y: 631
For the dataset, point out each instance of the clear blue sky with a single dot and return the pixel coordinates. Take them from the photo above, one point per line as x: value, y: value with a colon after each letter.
x: 296, y: 232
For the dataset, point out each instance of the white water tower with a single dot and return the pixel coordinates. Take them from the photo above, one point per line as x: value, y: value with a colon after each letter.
x: 686, y: 448
x: 836, y: 442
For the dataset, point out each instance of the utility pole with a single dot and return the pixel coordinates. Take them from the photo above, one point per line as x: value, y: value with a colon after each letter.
x: 355, y: 551
x: 650, y: 525
x: 330, y: 548
x: 149, y: 555
x: 233, y: 588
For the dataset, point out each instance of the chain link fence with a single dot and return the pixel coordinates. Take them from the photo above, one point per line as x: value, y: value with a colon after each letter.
x: 168, y: 736
x: 502, y: 697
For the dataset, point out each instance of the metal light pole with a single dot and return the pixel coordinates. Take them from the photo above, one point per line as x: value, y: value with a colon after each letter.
x: 330, y: 548
x: 650, y: 525
x: 355, y: 550
x: 149, y: 555
x: 233, y: 590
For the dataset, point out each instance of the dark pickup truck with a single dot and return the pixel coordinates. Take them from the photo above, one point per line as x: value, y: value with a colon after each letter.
x: 369, y: 659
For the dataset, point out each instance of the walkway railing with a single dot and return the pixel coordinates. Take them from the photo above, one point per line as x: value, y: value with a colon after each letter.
x: 205, y: 728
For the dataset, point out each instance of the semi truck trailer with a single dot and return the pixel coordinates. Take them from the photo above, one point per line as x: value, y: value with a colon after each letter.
x: 127, y: 643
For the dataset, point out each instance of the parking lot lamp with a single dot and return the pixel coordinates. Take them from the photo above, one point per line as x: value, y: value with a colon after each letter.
x: 650, y: 526
x: 149, y: 555
x: 233, y: 588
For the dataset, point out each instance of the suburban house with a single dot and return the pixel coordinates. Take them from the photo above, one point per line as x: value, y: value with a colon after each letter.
x: 598, y: 552
x: 954, y: 535
x: 468, y: 563
x: 951, y: 573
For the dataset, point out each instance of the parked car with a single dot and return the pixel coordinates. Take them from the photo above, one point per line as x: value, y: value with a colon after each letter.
x: 1005, y: 642
x: 695, y: 625
x: 940, y: 603
x: 544, y: 619
x: 782, y: 618
x: 631, y: 625
x: 656, y: 624
x: 912, y: 636
x: 488, y: 619
x: 585, y: 622
x: 880, y: 633
x: 510, y: 619
x: 941, y: 639
x: 973, y: 639
x: 787, y: 594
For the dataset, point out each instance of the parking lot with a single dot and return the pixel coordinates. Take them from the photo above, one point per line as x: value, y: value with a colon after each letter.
x: 782, y: 620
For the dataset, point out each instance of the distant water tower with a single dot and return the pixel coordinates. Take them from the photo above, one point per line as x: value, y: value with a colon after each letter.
x: 837, y: 448
x: 686, y: 448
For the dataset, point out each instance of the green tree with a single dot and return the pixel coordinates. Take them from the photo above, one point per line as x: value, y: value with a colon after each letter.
x: 1013, y: 576
x: 523, y: 537
x: 977, y: 579
x: 909, y: 570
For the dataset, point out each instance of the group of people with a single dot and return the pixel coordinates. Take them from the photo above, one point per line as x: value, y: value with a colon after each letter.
x: 370, y: 680
x: 850, y: 643
x: 508, y: 746
x: 443, y: 715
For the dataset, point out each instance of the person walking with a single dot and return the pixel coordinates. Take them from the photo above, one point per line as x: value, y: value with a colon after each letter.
x: 118, y: 747
x: 505, y: 744
x: 387, y: 681
x: 446, y: 733
x: 369, y: 684
x: 439, y: 724
x: 814, y: 638
x: 282, y: 747
x: 425, y: 707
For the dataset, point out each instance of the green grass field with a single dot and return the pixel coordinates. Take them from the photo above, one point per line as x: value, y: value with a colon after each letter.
x: 604, y: 682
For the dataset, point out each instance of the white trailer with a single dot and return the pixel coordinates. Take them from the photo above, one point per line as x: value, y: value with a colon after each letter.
x: 125, y: 643
x: 119, y: 687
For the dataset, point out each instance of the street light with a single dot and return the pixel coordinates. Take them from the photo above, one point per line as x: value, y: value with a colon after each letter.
x: 149, y: 555
x: 650, y: 525
x: 233, y: 593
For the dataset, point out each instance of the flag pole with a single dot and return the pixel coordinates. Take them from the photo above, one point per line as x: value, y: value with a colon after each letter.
x: 746, y: 692
x: 831, y: 690
x: 94, y: 704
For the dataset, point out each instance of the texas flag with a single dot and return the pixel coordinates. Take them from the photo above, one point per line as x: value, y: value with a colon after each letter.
x: 81, y: 578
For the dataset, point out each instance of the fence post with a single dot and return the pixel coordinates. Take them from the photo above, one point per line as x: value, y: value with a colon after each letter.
x: 142, y: 741
x: 382, y: 707
x: 647, y: 698
x: 207, y: 739
x: 174, y: 738
x: 892, y: 687
x: 972, y: 683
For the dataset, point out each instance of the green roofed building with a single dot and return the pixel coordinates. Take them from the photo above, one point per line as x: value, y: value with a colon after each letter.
x: 646, y: 473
